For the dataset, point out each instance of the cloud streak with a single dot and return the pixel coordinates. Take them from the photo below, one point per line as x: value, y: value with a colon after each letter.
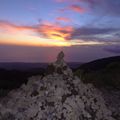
x: 55, y: 31
x: 109, y: 7
x: 45, y: 29
x: 93, y: 31
x: 96, y: 34
x: 64, y: 35
x: 74, y: 8
x: 64, y: 19
x: 12, y: 28
x: 77, y: 8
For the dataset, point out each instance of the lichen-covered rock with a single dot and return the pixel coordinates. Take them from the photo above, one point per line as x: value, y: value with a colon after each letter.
x: 57, y: 96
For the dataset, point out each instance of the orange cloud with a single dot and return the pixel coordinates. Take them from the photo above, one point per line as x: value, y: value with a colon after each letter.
x: 45, y: 29
x: 77, y: 8
x: 9, y: 27
x: 63, y: 19
x: 52, y: 35
x: 55, y: 31
x: 14, y: 35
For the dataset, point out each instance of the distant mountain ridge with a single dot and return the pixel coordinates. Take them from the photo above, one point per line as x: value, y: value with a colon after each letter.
x: 26, y: 66
x: 99, y: 63
x: 21, y: 65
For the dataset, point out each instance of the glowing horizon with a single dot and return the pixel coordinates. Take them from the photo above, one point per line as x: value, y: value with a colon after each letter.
x: 45, y: 35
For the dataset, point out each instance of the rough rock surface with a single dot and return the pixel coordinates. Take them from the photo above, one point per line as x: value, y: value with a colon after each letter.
x: 57, y: 96
x: 112, y: 98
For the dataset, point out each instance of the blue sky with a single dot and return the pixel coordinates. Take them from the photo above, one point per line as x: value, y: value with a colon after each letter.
x: 68, y: 25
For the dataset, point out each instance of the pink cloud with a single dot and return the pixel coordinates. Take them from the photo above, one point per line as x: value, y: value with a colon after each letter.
x: 77, y: 8
x: 109, y: 7
x: 74, y: 8
x: 46, y: 29
x: 10, y: 27
x: 64, y: 19
x: 55, y: 31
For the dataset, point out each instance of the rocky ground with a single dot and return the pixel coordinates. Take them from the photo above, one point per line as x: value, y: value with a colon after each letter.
x: 57, y: 96
x: 112, y: 98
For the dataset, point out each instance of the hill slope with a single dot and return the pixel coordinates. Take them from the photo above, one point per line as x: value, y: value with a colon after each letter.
x: 100, y: 63
x: 102, y: 73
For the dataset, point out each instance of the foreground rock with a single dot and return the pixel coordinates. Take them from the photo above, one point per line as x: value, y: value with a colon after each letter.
x: 57, y: 96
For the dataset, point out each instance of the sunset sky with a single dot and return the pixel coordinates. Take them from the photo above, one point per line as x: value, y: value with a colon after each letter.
x: 36, y: 30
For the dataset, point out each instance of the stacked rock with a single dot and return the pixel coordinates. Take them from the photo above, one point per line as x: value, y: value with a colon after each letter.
x: 59, y: 66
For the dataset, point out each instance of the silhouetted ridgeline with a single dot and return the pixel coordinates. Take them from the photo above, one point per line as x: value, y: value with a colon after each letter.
x: 99, y: 64
x: 26, y: 66
x: 13, y: 75
x: 102, y: 73
x: 21, y: 66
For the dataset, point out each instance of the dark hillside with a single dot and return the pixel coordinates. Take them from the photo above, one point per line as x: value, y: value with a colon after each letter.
x: 12, y: 79
x: 102, y: 73
x: 99, y: 64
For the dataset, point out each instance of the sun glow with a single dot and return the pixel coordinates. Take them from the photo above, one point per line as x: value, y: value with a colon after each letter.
x: 42, y: 35
x: 26, y: 40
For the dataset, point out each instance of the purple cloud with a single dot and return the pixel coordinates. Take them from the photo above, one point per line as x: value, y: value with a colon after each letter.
x: 109, y: 7
x: 95, y: 33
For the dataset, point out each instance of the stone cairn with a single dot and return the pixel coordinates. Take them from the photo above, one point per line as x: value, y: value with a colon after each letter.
x: 59, y: 66
x: 55, y: 97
